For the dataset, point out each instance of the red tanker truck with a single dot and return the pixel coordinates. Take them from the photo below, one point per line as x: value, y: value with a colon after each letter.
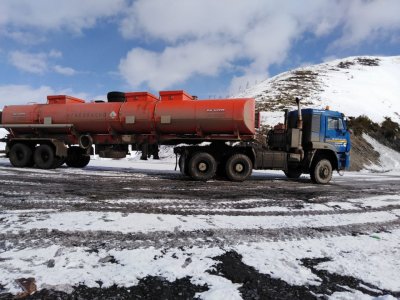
x: 65, y: 129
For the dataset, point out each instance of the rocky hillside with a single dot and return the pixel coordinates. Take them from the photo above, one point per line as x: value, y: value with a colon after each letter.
x: 357, y: 86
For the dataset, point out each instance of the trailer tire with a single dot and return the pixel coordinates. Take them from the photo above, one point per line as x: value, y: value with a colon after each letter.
x: 238, y: 167
x: 77, y: 158
x: 321, y: 171
x: 21, y: 155
x: 44, y: 157
x: 202, y: 166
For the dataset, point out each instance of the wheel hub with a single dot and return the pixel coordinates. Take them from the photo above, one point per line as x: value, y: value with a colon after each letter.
x: 239, y: 168
x: 202, y: 166
x: 324, y: 172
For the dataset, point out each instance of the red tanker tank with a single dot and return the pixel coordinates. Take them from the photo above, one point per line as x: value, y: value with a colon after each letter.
x: 138, y: 113
x: 180, y: 113
x: 134, y: 115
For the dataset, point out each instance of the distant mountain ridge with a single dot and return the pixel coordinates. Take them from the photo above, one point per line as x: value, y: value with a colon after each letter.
x: 364, y: 85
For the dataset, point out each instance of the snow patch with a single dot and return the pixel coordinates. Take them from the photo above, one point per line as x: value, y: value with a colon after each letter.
x: 389, y: 158
x: 145, y: 223
x: 3, y: 134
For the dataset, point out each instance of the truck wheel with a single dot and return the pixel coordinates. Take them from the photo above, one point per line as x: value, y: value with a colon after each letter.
x: 21, y: 156
x: 238, y: 167
x: 293, y: 173
x: 44, y: 157
x: 321, y: 172
x: 183, y: 165
x: 202, y: 166
x: 77, y: 158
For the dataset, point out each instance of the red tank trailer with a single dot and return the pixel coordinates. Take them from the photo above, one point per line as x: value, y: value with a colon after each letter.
x: 175, y: 112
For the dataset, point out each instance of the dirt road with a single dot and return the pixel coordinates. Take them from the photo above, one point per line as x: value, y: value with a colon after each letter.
x: 102, y: 210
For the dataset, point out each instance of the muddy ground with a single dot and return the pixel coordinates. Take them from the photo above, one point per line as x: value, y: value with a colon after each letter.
x: 97, y: 187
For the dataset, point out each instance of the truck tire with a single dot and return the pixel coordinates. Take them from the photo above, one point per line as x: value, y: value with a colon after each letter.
x: 44, y: 157
x: 77, y: 158
x: 321, y: 172
x: 238, y: 167
x: 21, y: 155
x: 183, y: 165
x: 202, y: 166
x: 293, y: 173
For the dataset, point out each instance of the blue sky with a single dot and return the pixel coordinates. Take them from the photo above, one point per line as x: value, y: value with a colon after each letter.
x: 211, y: 48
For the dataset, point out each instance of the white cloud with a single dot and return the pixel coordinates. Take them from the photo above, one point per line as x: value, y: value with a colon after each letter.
x: 176, y: 64
x: 369, y: 21
x: 72, y: 15
x: 39, y: 63
x: 24, y: 94
x: 64, y: 70
x: 207, y: 36
x: 22, y: 37
x: 55, y: 54
x: 28, y: 62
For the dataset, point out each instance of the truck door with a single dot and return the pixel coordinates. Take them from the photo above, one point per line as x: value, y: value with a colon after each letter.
x: 335, y: 133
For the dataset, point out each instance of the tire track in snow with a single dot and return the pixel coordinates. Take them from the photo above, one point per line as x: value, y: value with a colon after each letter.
x: 37, y: 238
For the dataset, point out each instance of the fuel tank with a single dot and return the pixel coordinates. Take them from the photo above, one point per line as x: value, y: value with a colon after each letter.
x: 134, y: 115
x: 175, y: 112
x: 179, y: 113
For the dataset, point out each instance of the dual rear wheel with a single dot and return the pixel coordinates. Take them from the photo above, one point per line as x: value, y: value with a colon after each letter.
x: 22, y: 155
x: 203, y: 166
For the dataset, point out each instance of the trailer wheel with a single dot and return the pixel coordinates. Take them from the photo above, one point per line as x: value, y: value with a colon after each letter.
x: 238, y: 167
x: 321, y: 172
x: 293, y: 173
x: 44, y: 157
x: 202, y: 166
x: 21, y: 155
x: 77, y: 158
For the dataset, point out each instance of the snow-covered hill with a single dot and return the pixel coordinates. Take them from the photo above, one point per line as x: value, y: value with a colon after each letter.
x: 355, y: 86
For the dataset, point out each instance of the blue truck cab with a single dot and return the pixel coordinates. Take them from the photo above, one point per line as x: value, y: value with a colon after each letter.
x: 324, y: 130
x: 321, y: 138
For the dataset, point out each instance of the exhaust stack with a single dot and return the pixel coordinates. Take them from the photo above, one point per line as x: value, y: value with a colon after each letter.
x: 300, y: 117
x: 299, y: 148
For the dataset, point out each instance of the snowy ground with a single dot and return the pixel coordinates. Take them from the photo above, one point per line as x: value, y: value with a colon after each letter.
x: 3, y: 134
x: 120, y: 222
x: 129, y: 227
